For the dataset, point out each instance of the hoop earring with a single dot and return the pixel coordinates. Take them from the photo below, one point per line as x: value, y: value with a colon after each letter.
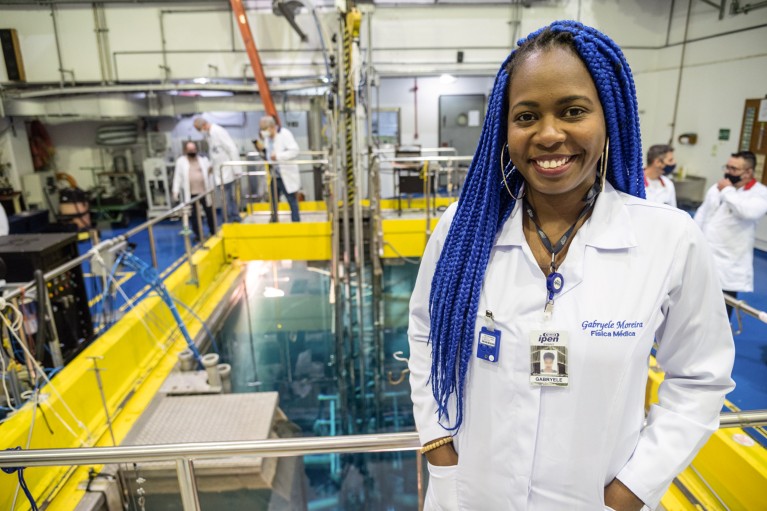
x: 503, y: 175
x: 603, y: 164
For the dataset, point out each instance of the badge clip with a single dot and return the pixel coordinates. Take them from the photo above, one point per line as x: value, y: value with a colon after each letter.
x: 489, y: 342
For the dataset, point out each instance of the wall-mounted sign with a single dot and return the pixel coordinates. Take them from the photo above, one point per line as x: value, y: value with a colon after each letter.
x: 724, y: 134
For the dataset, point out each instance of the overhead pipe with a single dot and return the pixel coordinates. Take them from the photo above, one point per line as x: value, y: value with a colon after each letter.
x: 255, y: 60
x: 681, y: 71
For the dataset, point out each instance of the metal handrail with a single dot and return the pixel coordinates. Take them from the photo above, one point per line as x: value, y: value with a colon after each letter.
x: 280, y: 447
x: 743, y: 306
x: 423, y: 159
x: 261, y: 163
x: 105, y: 245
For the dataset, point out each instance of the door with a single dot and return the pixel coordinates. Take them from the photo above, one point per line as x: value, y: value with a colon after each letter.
x: 461, y: 117
x: 753, y: 135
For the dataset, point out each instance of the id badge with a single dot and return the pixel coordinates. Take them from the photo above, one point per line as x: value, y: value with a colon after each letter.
x: 548, y: 358
x: 489, y: 344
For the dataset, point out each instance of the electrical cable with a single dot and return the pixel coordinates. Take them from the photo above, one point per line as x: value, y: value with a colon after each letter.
x: 406, y: 259
x: 22, y: 483
x: 41, y: 372
x: 213, y: 342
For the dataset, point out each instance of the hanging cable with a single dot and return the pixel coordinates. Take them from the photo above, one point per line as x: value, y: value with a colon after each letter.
x: 22, y: 482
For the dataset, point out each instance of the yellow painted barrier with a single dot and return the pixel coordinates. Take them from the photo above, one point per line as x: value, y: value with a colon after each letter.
x: 733, y: 465
x: 301, y: 241
x: 386, y: 204
x: 138, y: 352
x: 405, y: 237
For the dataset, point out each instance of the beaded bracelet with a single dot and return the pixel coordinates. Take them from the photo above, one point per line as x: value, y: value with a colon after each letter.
x: 436, y: 443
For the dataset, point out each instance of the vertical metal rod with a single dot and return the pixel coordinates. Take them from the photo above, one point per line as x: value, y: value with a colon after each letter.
x: 188, y: 245
x: 198, y: 219
x: 274, y: 195
x: 252, y: 341
x: 58, y: 45
x: 419, y: 478
x: 97, y: 370
x: 681, y: 72
x: 213, y: 207
x: 152, y: 246
x: 346, y: 253
x: 427, y: 197
x: 224, y: 199
x: 163, y: 47
x: 187, y: 485
x: 55, y: 344
x: 23, y: 339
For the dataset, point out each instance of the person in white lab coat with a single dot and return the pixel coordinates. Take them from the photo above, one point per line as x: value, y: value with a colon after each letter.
x: 193, y: 176
x: 222, y: 149
x: 728, y: 218
x: 660, y: 163
x: 556, y: 250
x: 281, y: 146
x: 3, y: 222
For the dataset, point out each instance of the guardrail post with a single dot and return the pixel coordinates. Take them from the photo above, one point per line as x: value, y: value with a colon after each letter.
x: 187, y: 484
x: 152, y: 246
x: 188, y: 244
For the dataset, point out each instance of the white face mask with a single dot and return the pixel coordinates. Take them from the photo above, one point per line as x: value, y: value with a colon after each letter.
x: 265, y: 134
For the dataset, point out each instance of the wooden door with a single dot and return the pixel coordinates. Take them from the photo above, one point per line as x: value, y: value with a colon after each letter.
x: 753, y: 135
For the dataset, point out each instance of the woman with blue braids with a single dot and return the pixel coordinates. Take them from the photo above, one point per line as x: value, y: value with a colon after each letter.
x: 540, y: 296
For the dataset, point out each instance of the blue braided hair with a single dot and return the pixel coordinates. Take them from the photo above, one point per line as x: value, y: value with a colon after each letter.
x: 484, y: 204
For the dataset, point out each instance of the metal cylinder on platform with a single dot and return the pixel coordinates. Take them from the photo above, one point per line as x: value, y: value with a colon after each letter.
x: 210, y: 363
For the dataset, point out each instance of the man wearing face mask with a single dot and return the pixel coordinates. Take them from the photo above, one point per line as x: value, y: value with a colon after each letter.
x: 660, y: 162
x: 222, y: 149
x: 192, y: 177
x: 728, y: 218
x: 281, y: 146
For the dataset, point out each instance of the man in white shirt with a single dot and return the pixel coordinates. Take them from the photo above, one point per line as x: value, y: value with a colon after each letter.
x: 281, y: 146
x: 193, y: 177
x: 222, y: 149
x: 660, y: 162
x: 728, y: 218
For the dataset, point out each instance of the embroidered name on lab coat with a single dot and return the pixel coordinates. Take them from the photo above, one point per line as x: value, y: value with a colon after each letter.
x: 621, y: 328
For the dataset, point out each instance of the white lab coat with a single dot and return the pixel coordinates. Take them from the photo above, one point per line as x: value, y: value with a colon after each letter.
x: 4, y: 228
x: 728, y: 219
x: 660, y: 190
x: 540, y: 449
x: 285, y: 147
x: 222, y: 149
x: 181, y: 178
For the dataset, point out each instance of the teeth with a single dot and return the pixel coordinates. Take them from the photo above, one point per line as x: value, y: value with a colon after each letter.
x: 551, y: 164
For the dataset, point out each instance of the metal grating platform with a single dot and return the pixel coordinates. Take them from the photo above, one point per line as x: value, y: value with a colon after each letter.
x: 207, y: 418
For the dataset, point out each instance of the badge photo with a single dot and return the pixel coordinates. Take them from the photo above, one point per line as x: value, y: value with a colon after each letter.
x: 548, y: 358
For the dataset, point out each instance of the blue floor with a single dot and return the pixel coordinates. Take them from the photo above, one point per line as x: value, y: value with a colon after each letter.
x: 750, y: 372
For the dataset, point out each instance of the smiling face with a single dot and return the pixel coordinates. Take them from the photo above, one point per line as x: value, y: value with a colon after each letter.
x: 556, y: 123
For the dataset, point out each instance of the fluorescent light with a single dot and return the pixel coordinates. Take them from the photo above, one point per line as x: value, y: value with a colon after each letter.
x: 201, y: 81
x: 447, y: 78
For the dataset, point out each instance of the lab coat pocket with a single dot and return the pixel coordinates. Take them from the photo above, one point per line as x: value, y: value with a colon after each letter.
x: 442, y: 494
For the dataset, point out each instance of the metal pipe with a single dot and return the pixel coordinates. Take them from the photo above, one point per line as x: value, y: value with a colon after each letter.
x: 188, y: 245
x: 58, y: 46
x: 275, y: 447
x: 681, y: 72
x: 152, y: 246
x: 187, y: 485
x: 743, y: 306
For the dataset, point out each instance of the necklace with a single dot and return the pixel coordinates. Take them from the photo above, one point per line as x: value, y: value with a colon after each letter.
x: 554, y: 280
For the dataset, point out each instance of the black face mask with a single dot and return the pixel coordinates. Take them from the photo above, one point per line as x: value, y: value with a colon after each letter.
x: 733, y: 179
x: 192, y: 155
x: 668, y: 169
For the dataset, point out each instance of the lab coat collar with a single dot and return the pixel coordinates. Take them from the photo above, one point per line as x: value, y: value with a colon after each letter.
x: 609, y: 227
